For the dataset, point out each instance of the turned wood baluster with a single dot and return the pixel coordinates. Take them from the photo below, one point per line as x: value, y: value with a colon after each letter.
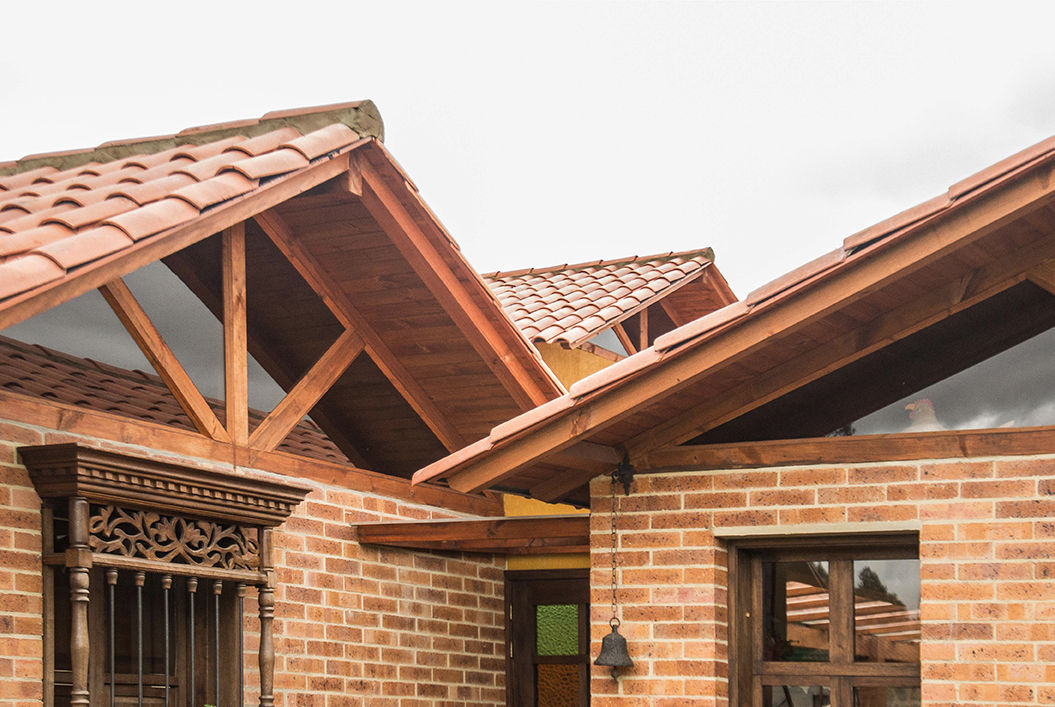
x: 79, y: 561
x: 267, y: 618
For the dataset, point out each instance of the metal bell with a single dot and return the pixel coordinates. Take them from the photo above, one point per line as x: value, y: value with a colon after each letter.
x: 613, y: 650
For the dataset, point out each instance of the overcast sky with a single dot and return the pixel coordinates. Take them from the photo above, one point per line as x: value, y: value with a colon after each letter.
x: 551, y: 132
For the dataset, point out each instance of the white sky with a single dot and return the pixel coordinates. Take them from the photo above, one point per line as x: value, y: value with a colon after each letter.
x: 550, y: 132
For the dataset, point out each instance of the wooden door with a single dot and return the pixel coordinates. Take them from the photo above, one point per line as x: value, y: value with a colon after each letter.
x: 548, y: 638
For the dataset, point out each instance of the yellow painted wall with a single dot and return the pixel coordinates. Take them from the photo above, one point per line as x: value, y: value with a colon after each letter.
x: 570, y: 365
x: 520, y: 506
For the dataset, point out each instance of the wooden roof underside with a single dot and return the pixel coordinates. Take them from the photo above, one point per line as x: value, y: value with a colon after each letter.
x: 519, y: 535
x: 927, y: 298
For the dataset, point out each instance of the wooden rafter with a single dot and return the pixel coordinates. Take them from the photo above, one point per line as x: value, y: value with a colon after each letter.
x: 899, y: 323
x: 331, y: 294
x: 480, y: 330
x: 516, y: 535
x: 624, y: 338
x: 1043, y: 275
x: 966, y: 224
x: 235, y: 342
x: 308, y: 390
x: 161, y: 357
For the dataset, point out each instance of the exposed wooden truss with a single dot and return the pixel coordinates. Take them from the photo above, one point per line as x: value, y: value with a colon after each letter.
x: 523, y: 535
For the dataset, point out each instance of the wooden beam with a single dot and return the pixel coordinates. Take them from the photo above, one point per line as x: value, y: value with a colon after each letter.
x: 1043, y: 275
x: 161, y: 357
x: 958, y: 444
x: 624, y: 338
x: 495, y: 348
x: 59, y: 420
x: 510, y: 535
x: 588, y: 454
x: 341, y: 306
x: 935, y: 305
x: 642, y: 333
x: 235, y: 342
x: 964, y: 224
x: 97, y: 273
x: 308, y: 390
x: 558, y: 486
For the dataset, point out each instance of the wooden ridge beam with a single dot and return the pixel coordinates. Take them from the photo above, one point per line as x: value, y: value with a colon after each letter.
x: 904, y: 446
x: 330, y: 292
x: 307, y: 392
x: 962, y: 225
x: 479, y: 329
x: 508, y: 535
x: 235, y: 341
x: 937, y: 304
x: 161, y: 357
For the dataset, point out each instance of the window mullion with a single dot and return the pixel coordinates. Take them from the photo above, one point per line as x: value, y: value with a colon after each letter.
x: 841, y: 611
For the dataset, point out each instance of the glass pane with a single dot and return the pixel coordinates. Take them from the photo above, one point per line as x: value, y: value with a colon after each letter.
x: 886, y: 611
x: 795, y: 696
x: 887, y: 697
x: 557, y: 685
x: 795, y: 602
x: 557, y: 629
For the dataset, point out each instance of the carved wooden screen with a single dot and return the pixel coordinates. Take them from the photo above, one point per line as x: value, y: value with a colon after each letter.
x: 155, y: 560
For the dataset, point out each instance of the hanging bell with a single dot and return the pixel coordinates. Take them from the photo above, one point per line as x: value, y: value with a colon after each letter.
x: 613, y: 650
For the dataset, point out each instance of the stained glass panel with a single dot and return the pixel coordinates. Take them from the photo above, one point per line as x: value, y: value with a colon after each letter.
x: 557, y: 629
x: 557, y: 685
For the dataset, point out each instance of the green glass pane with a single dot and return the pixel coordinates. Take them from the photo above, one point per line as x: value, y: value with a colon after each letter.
x: 557, y: 685
x: 557, y: 629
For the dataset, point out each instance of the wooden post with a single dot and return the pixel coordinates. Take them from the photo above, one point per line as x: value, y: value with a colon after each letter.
x: 235, y: 339
x: 267, y: 617
x: 78, y: 560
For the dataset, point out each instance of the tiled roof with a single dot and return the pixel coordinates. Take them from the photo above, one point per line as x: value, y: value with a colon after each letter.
x: 62, y: 211
x: 33, y: 370
x: 571, y: 303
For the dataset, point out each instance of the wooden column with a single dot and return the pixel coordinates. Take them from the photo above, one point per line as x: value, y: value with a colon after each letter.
x: 234, y: 335
x: 78, y: 561
x: 267, y: 617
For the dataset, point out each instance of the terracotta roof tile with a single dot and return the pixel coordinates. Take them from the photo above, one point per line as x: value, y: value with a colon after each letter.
x: 572, y: 303
x: 40, y: 372
x: 62, y: 210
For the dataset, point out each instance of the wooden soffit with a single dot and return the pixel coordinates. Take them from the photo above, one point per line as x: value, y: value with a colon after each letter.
x: 519, y: 535
x: 65, y: 470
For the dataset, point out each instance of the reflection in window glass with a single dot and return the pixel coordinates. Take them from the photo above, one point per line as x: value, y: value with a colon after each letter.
x: 887, y: 697
x: 886, y: 611
x: 795, y: 696
x: 557, y: 629
x: 1015, y: 388
x: 796, y: 604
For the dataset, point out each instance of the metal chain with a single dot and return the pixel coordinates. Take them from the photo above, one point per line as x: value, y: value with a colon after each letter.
x: 614, y: 540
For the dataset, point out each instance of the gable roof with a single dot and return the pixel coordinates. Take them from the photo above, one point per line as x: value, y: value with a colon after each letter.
x: 570, y: 304
x: 918, y: 287
x: 340, y: 249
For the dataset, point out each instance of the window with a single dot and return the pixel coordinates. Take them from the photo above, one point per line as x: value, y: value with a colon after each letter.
x: 145, y: 567
x: 819, y: 622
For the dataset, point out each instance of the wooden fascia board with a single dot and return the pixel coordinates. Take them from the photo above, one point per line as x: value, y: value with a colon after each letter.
x: 345, y: 311
x: 937, y: 304
x: 509, y: 535
x: 98, y: 428
x: 154, y: 248
x: 795, y: 308
x: 162, y: 358
x: 504, y: 352
x: 960, y: 444
x: 307, y: 392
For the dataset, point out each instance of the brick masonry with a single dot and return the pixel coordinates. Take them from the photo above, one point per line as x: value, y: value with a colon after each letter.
x: 354, y: 625
x: 987, y: 552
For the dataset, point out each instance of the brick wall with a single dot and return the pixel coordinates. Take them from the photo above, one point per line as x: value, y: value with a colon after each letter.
x: 354, y: 625
x: 987, y: 552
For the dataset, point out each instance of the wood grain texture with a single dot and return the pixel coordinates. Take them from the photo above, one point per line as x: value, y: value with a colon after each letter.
x: 235, y: 340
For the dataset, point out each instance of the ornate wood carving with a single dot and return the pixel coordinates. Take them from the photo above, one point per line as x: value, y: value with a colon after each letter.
x: 170, y: 538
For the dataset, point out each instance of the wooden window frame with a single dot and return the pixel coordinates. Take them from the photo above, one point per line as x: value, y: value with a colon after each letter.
x: 747, y: 669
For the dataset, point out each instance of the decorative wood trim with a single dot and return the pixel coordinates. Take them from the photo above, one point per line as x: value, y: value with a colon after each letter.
x: 493, y: 346
x: 292, y: 408
x: 278, y: 231
x: 69, y: 470
x: 69, y: 419
x: 235, y: 341
x: 97, y: 273
x: 161, y: 357
x: 960, y: 444
x: 519, y: 535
